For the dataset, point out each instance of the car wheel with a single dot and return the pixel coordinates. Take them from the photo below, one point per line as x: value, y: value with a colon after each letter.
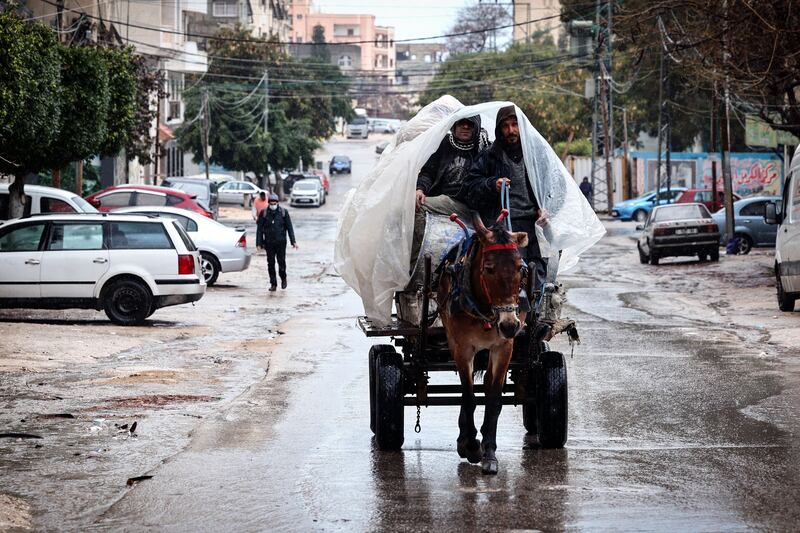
x: 127, y: 302
x: 714, y: 254
x: 745, y: 244
x: 785, y: 301
x: 642, y: 256
x: 210, y: 267
x: 653, y: 258
x: 640, y: 215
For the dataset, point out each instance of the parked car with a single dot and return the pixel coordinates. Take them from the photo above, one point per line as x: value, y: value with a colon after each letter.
x: 638, y: 208
x: 787, y: 243
x: 381, y: 146
x: 128, y: 266
x: 294, y: 177
x: 326, y: 183
x: 40, y: 199
x: 149, y: 195
x: 222, y: 248
x: 678, y: 230
x: 750, y: 229
x: 307, y: 192
x: 239, y: 192
x: 205, y: 191
x: 704, y: 196
x: 340, y: 164
x: 380, y: 125
x: 357, y: 128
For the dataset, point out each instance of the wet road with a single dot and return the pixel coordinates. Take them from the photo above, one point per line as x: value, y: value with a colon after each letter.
x: 679, y: 419
x: 676, y: 423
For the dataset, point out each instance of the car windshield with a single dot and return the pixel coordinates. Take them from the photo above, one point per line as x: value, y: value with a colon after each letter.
x: 305, y: 185
x: 83, y: 205
x: 680, y: 212
x: 198, y: 189
x: 339, y: 159
x: 358, y: 121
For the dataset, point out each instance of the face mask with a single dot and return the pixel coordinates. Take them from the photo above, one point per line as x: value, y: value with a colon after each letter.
x: 273, y: 206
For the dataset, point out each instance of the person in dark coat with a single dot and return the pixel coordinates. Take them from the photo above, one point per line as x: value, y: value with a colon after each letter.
x: 272, y: 226
x: 441, y: 179
x: 587, y: 190
x: 503, y: 162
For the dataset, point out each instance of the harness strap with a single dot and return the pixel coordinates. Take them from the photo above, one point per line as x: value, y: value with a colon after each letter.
x: 506, y: 246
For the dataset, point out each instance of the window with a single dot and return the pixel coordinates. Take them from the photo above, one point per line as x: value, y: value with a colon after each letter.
x: 350, y: 32
x: 187, y: 223
x: 146, y: 198
x: 21, y: 239
x: 174, y: 200
x: 54, y: 205
x: 224, y: 9
x: 299, y: 17
x: 139, y: 236
x: 345, y: 61
x: 703, y: 196
x: 427, y: 58
x: 76, y: 237
x: 187, y: 241
x: 5, y: 206
x: 116, y: 199
x: 756, y: 209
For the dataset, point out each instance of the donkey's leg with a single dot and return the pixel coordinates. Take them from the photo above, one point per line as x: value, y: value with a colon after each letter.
x: 467, y: 444
x: 493, y: 381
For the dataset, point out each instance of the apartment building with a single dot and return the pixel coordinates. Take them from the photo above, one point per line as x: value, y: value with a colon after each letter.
x: 529, y: 15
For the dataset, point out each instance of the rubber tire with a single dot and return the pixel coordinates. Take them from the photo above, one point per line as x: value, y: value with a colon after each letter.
x: 551, y: 400
x: 745, y: 244
x: 640, y: 215
x: 714, y: 254
x: 205, y: 256
x: 389, y: 401
x: 653, y: 258
x: 374, y: 351
x: 643, y: 259
x: 132, y: 289
x: 785, y: 301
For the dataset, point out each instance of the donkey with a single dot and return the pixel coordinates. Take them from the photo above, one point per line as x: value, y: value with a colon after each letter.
x: 495, y: 274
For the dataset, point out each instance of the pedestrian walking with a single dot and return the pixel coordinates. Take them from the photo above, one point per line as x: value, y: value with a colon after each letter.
x: 587, y: 190
x: 272, y: 227
x: 259, y: 204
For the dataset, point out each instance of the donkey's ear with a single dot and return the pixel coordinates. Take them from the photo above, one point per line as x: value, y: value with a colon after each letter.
x: 521, y: 238
x: 480, y: 229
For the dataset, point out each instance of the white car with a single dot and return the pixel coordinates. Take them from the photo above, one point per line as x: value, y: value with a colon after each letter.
x: 787, y: 242
x: 307, y: 192
x: 42, y: 199
x: 239, y: 192
x: 128, y: 266
x: 222, y: 249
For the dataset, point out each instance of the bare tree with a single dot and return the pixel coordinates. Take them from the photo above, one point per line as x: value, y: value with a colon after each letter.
x: 476, y: 23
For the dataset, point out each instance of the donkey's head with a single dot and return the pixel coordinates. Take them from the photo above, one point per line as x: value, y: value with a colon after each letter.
x: 501, y: 271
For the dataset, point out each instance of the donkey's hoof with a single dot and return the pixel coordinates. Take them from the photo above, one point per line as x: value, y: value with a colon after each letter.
x: 471, y: 450
x: 489, y: 467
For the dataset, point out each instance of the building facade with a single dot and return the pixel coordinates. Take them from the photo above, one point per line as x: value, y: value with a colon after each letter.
x: 537, y: 19
x: 417, y: 64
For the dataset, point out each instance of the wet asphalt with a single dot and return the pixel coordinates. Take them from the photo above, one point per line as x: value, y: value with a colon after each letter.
x: 675, y: 424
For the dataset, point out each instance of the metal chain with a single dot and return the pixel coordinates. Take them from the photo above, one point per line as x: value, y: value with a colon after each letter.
x: 417, y: 427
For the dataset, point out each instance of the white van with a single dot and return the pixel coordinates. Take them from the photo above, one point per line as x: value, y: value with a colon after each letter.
x: 358, y: 128
x: 42, y: 199
x: 787, y: 243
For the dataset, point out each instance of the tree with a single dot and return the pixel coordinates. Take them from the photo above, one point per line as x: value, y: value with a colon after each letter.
x: 475, y: 22
x: 30, y: 94
x: 319, y: 50
x: 122, y: 84
x: 139, y: 142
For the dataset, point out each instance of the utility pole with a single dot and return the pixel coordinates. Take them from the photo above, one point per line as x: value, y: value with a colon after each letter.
x: 602, y: 117
x: 205, y: 131
x: 266, y: 101
x: 159, y: 96
x: 726, y: 136
x: 713, y: 148
x: 627, y: 186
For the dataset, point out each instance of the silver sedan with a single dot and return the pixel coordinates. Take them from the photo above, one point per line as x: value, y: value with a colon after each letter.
x: 238, y: 192
x: 222, y: 249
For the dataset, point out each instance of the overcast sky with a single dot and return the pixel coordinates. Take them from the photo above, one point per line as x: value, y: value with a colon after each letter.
x: 411, y: 18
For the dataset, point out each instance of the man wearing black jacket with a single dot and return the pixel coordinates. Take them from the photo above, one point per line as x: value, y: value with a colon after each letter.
x: 440, y: 182
x: 272, y: 226
x: 503, y: 162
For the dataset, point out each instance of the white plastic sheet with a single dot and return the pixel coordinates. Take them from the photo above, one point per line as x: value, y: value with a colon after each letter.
x: 376, y: 225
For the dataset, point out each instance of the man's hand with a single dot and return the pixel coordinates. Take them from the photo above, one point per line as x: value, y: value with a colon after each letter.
x: 498, y: 185
x: 544, y: 218
x: 420, y: 199
x: 295, y: 246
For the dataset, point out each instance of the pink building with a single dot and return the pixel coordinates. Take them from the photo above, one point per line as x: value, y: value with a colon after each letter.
x: 377, y: 54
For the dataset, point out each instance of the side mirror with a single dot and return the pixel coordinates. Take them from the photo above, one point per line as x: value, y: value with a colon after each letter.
x: 639, y: 227
x: 771, y: 213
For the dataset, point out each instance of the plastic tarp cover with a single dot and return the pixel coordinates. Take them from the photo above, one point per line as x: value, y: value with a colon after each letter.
x: 376, y: 225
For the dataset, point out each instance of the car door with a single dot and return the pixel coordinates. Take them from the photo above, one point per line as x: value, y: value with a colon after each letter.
x: 788, y: 239
x: 20, y: 259
x: 229, y: 192
x: 751, y: 216
x: 74, y: 259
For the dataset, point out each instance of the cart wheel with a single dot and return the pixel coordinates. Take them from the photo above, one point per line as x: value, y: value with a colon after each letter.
x: 551, y: 401
x: 373, y: 362
x: 389, y: 401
